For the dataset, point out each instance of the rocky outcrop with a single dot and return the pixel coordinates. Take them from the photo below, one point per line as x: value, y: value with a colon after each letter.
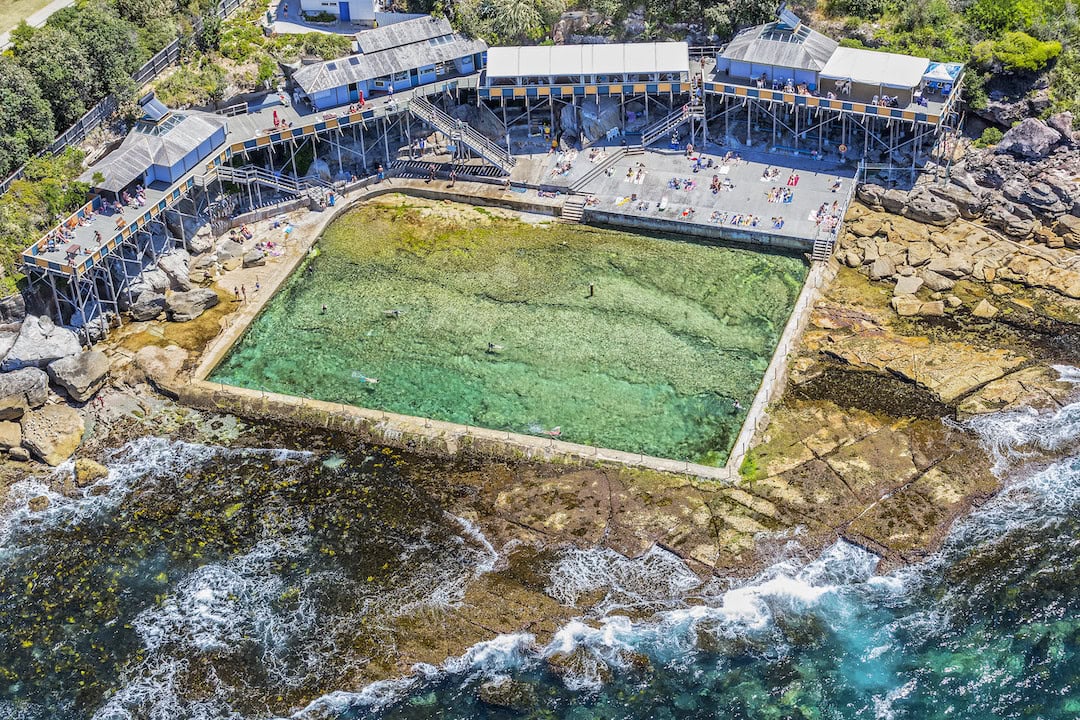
x: 505, y: 692
x: 12, y: 309
x: 926, y: 207
x: 255, y: 258
x: 52, y: 433
x: 22, y: 390
x: 161, y: 364
x: 175, y: 267
x: 148, y: 306
x: 82, y: 375
x: 230, y: 254
x: 88, y: 471
x: 10, y: 435
x: 203, y: 269
x: 1032, y: 138
x: 1063, y: 123
x: 186, y: 306
x: 155, y: 281
x: 40, y: 342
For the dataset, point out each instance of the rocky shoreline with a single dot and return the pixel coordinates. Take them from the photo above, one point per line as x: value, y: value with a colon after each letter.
x: 942, y: 310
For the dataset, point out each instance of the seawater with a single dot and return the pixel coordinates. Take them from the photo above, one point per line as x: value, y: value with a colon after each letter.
x: 207, y: 582
x: 468, y: 318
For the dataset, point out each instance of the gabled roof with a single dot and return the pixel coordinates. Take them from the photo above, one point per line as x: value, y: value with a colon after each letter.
x: 406, y: 32
x: 164, y: 143
x: 781, y: 45
x: 589, y: 59
x: 358, y: 68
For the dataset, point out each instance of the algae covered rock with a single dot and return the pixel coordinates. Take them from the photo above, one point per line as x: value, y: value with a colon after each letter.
x: 53, y: 433
x: 88, y: 471
x: 505, y: 692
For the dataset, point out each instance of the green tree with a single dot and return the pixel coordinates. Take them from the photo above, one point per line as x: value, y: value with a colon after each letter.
x: 726, y: 17
x: 61, y: 69
x: 510, y: 20
x: 112, y: 46
x: 1015, y: 52
x: 26, y: 125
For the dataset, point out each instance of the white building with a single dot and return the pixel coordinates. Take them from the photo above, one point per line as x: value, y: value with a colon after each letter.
x: 357, y: 11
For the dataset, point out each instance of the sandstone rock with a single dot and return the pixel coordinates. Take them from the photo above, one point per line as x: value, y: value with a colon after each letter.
x: 12, y: 309
x: 183, y: 307
x: 201, y: 242
x: 40, y: 342
x: 935, y: 308
x: 88, y: 471
x: 882, y: 268
x: 894, y: 200
x: 998, y: 289
x: 81, y: 375
x: 926, y: 207
x: 936, y: 281
x: 906, y: 305
x: 919, y: 253
x: 230, y: 254
x: 255, y: 258
x: 153, y: 280
x: 10, y: 435
x: 904, y: 270
x: 866, y: 226
x: 1032, y: 138
x: 870, y: 194
x: 148, y: 306
x: 984, y: 310
x: 852, y: 259
x: 38, y: 503
x: 19, y: 454
x: 953, y: 301
x: 202, y: 269
x: 175, y: 267
x: 22, y: 390
x: 908, y: 285
x: 52, y: 433
x: 505, y: 692
x: 968, y: 203
x: 949, y: 268
x: 161, y: 364
x: 1063, y: 123
x: 1067, y: 225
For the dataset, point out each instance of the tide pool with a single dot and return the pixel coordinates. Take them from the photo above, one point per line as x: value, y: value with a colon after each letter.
x: 624, y: 341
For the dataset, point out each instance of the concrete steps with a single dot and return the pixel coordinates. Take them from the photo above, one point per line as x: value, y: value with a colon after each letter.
x: 572, y: 210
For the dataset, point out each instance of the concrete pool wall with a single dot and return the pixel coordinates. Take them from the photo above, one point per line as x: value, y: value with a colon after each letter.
x: 445, y: 438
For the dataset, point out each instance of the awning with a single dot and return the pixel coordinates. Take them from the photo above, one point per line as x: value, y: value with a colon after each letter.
x: 939, y: 72
x: 869, y: 67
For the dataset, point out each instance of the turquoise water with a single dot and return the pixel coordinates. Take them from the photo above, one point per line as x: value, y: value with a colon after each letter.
x: 490, y: 323
x: 208, y: 582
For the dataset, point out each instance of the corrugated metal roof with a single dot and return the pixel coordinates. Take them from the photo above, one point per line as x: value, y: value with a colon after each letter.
x: 776, y: 44
x: 149, y: 144
x: 406, y: 32
x: 869, y: 67
x: 358, y: 68
x: 591, y: 59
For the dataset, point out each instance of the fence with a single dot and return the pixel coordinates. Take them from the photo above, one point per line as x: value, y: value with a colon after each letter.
x: 106, y: 107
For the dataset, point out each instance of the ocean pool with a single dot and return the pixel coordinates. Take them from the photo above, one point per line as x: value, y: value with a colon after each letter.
x: 636, y: 343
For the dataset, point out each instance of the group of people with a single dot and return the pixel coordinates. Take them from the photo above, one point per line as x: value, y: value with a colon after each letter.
x: 682, y: 184
x: 886, y: 101
x: 717, y: 184
x: 723, y: 217
x: 828, y: 217
x: 770, y: 173
x: 781, y: 195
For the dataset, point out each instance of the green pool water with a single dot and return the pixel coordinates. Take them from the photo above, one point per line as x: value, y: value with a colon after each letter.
x: 674, y: 334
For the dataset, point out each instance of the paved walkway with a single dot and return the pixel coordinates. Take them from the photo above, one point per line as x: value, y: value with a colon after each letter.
x: 37, y: 19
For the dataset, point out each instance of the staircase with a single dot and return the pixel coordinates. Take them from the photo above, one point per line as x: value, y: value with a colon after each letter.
x: 572, y: 210
x: 252, y: 175
x: 422, y: 170
x: 693, y: 111
x: 598, y: 169
x: 823, y: 248
x: 461, y: 133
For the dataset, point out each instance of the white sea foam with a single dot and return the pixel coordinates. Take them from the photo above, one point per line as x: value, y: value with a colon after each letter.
x: 657, y: 576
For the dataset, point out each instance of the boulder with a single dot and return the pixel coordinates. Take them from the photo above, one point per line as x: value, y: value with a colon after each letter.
x: 867, y: 226
x: 39, y: 343
x: 934, y: 308
x: 202, y: 269
x: 1063, y: 123
x: 870, y: 194
x: 852, y: 259
x: 182, y: 307
x: 894, y: 200
x: 925, y: 207
x: 175, y: 267
x: 906, y: 305
x: 19, y: 454
x: 201, y: 242
x: 968, y: 203
x: 161, y: 364
x: 919, y: 253
x: 998, y: 289
x: 255, y: 258
x: 88, y: 471
x: 882, y: 268
x: 908, y: 285
x: 148, y: 306
x: 936, y: 281
x: 38, y: 503
x: 1032, y: 138
x: 12, y: 309
x: 953, y: 301
x: 984, y: 310
x: 153, y: 280
x: 82, y: 375
x: 52, y: 433
x: 1001, y: 216
x: 22, y: 390
x: 10, y: 435
x: 230, y: 254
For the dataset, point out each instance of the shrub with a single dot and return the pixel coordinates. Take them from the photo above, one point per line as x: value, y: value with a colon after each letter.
x: 990, y: 136
x: 1015, y: 52
x: 321, y: 17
